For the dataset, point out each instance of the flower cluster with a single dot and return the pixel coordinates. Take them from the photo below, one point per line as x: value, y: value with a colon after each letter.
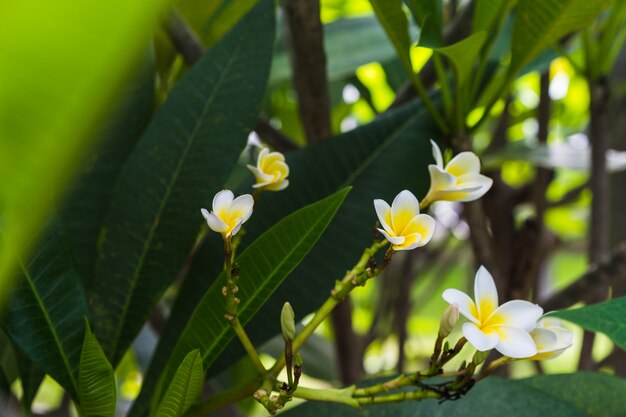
x: 514, y: 328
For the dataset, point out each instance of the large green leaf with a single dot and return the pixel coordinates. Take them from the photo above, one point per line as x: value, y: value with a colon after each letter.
x: 180, y: 162
x: 45, y: 316
x: 540, y: 23
x: 349, y: 43
x: 379, y: 160
x: 62, y: 63
x: 392, y: 18
x: 31, y: 377
x: 463, y: 55
x: 607, y: 317
x: 486, y: 13
x: 428, y: 14
x: 87, y: 200
x: 184, y: 387
x: 96, y: 379
x: 263, y: 266
x: 572, y: 395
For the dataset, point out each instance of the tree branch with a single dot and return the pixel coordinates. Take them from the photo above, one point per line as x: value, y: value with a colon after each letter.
x: 305, y: 40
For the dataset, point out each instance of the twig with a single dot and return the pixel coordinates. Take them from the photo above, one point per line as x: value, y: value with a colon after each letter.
x: 304, y: 33
x: 601, y: 275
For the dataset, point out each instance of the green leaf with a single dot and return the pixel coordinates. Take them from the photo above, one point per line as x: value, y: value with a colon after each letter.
x: 394, y: 21
x: 361, y: 158
x: 184, y: 388
x: 570, y: 395
x: 96, y: 379
x: 263, y: 266
x: 428, y: 15
x: 31, y: 378
x: 87, y: 200
x: 349, y: 43
x: 463, y: 55
x: 606, y: 317
x: 540, y: 23
x: 181, y: 161
x: 486, y: 12
x: 45, y: 317
x: 57, y: 80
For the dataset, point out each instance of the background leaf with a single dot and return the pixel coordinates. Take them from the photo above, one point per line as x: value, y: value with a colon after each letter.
x: 96, y: 379
x: 606, y: 317
x: 181, y: 161
x: 571, y: 395
x: 428, y: 14
x: 45, y: 316
x: 463, y: 55
x: 540, y: 23
x: 184, y: 387
x: 87, y: 200
x: 394, y: 21
x: 57, y: 81
x: 263, y: 265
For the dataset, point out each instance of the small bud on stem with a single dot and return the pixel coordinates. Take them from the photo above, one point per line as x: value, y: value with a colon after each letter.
x: 449, y: 320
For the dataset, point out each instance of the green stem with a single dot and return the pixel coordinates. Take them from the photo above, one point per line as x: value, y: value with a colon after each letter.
x: 248, y: 346
x: 399, y: 397
x: 421, y: 91
x: 342, y: 396
x: 353, y: 278
x: 443, y: 82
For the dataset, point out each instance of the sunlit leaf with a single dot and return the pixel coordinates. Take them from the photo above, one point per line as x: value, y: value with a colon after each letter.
x: 184, y: 387
x: 606, y: 317
x: 463, y: 55
x: 96, y: 380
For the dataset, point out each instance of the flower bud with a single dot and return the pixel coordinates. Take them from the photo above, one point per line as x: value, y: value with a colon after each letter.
x: 448, y: 320
x: 287, y: 322
x: 298, y: 360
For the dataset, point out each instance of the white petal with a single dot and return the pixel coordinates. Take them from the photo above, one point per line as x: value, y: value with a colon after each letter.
x: 236, y: 228
x: 515, y: 343
x: 544, y: 339
x: 404, y: 207
x: 205, y: 213
x: 422, y: 224
x: 254, y: 140
x: 283, y: 184
x: 465, y: 303
x: 463, y: 163
x: 262, y: 155
x: 244, y: 204
x: 259, y: 175
x: 437, y: 154
x: 222, y: 200
x: 485, y: 293
x: 480, y: 340
x: 517, y: 313
x: 216, y: 224
x: 397, y: 240
x: 383, y: 212
x: 410, y: 242
x: 439, y: 179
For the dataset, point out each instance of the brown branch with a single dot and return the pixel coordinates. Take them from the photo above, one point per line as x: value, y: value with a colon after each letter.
x: 304, y: 32
x: 190, y: 46
x: 592, y: 285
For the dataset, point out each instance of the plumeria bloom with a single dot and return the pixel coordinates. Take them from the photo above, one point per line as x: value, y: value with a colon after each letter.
x: 229, y: 213
x: 505, y: 328
x: 550, y: 338
x: 270, y: 171
x: 402, y: 223
x: 460, y: 180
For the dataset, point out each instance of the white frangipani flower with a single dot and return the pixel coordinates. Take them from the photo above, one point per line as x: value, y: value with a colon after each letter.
x: 550, y: 338
x: 505, y: 328
x: 402, y: 223
x: 460, y: 180
x: 229, y: 213
x: 270, y: 171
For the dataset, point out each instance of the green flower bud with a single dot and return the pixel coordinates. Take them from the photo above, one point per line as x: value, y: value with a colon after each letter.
x: 298, y: 360
x: 448, y: 320
x: 287, y: 322
x: 479, y: 357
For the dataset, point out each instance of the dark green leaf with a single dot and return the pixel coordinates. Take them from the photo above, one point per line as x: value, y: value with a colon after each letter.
x: 184, y: 388
x: 31, y: 378
x: 540, y: 23
x: 428, y: 15
x: 263, y: 265
x: 607, y: 317
x: 88, y: 199
x: 573, y: 395
x: 180, y: 162
x: 486, y: 12
x: 45, y: 317
x: 463, y: 55
x: 96, y: 379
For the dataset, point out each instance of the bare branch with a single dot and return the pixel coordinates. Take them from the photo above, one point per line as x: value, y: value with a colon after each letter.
x: 308, y: 61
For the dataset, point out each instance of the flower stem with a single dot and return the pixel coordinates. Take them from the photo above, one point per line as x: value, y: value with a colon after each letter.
x: 343, y: 396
